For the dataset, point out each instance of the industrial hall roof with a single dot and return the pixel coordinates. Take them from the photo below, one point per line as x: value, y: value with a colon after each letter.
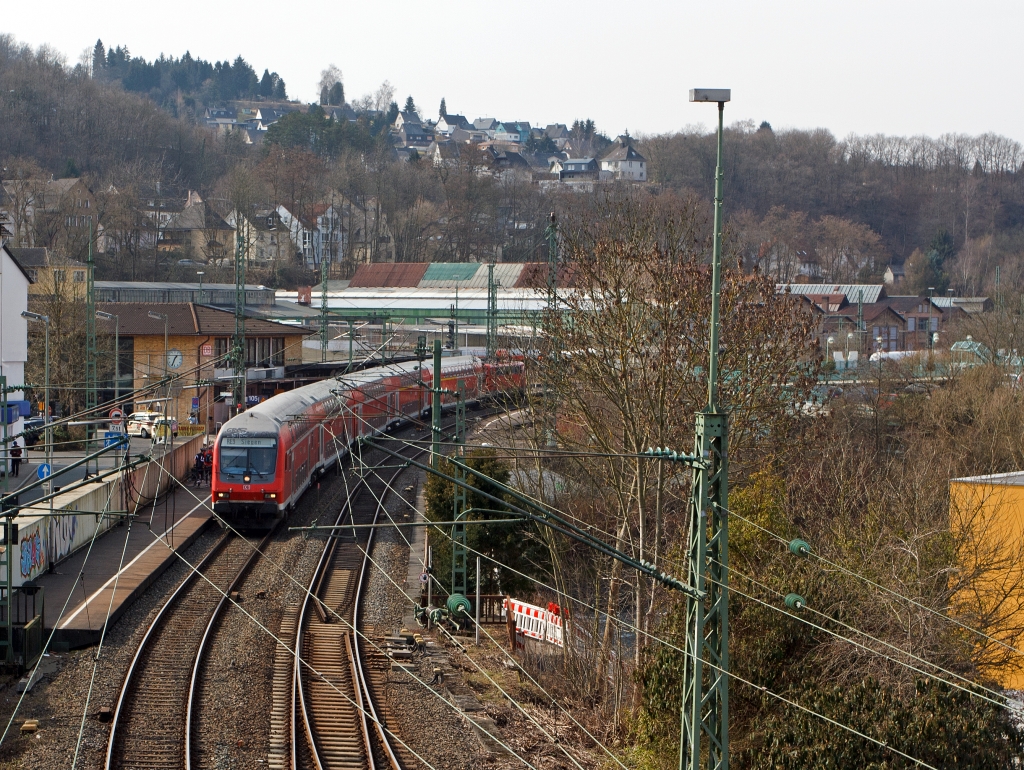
x: 854, y: 292
x: 455, y: 275
x: 185, y: 319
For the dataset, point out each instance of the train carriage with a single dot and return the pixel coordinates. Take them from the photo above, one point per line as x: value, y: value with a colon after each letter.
x: 265, y: 458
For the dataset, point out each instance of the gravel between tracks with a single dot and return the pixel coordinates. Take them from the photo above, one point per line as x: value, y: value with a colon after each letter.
x: 58, y: 700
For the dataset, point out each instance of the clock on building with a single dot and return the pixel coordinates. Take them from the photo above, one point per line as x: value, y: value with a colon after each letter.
x: 174, y: 359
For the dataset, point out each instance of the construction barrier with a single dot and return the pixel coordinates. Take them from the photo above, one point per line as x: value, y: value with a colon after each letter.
x: 536, y: 622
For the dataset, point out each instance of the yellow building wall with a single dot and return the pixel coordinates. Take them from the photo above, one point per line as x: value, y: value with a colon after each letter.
x: 988, y: 519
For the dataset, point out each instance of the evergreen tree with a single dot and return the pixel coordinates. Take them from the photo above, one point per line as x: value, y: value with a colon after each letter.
x: 444, y: 109
x: 279, y: 91
x: 392, y: 115
x: 99, y: 57
x: 336, y: 97
x: 324, y: 94
x: 266, y: 85
x: 410, y: 105
x: 942, y: 246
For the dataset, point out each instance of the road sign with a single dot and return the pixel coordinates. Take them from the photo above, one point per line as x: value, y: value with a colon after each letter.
x: 116, y: 415
x: 112, y: 437
x: 423, y: 577
x: 195, y: 403
x: 43, y: 471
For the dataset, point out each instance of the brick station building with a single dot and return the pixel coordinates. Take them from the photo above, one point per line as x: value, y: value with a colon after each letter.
x: 198, y: 344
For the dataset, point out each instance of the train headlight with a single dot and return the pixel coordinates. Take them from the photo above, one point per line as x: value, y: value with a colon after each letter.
x: 247, y: 478
x: 270, y: 495
x: 223, y: 495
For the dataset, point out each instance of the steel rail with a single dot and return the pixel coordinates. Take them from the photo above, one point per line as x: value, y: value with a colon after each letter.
x: 164, y: 612
x: 191, y: 705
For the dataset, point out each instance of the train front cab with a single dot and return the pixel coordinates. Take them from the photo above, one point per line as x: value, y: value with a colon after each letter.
x: 249, y: 481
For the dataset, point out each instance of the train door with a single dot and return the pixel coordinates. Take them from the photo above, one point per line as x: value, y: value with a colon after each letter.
x: 393, y: 410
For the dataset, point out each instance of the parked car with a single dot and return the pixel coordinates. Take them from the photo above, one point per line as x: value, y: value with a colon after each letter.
x: 144, y: 424
x: 34, y: 428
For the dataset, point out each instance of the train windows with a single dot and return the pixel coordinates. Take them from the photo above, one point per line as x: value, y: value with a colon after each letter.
x: 252, y: 457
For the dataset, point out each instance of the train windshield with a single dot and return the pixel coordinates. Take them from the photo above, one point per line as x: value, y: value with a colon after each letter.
x: 252, y: 457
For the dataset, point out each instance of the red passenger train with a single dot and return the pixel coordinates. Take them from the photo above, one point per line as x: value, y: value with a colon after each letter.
x: 266, y: 457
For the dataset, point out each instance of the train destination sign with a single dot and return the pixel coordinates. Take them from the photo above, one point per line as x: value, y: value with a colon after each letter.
x: 250, y: 442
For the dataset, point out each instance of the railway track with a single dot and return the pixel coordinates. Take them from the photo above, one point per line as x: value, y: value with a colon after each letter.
x: 151, y: 723
x: 335, y: 723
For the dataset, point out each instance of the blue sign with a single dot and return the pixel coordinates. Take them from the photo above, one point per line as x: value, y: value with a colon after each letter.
x: 112, y: 438
x: 43, y: 471
x: 252, y: 400
x: 195, y: 403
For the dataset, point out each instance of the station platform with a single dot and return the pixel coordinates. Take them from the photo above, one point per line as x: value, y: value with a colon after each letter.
x: 117, y: 573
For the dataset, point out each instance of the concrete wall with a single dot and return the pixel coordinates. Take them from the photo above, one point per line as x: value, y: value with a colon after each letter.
x: 45, y: 540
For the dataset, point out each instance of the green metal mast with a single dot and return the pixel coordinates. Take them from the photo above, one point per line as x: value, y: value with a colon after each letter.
x: 90, y: 351
x: 552, y: 235
x: 705, y: 706
x: 238, y: 341
x: 324, y: 320
x: 492, y: 312
x: 435, y: 409
x: 459, y: 530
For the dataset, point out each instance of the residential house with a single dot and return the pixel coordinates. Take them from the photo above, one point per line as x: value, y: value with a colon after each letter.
x: 448, y: 123
x: 515, y: 132
x: 893, y: 275
x: 622, y: 161
x: 414, y: 134
x: 317, y: 233
x: 468, y: 136
x: 557, y: 133
x: 576, y: 169
x: 49, y: 212
x: 265, y: 240
x: 406, y: 117
x: 51, y: 274
x: 197, y: 231
x: 342, y: 114
x: 487, y: 125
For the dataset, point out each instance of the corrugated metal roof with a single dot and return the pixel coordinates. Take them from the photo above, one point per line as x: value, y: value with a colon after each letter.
x: 854, y: 292
x: 440, y: 274
x: 401, y: 274
x: 535, y: 276
x: 505, y: 273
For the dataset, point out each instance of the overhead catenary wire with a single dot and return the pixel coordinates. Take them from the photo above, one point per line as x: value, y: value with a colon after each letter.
x: 307, y: 590
x: 762, y: 689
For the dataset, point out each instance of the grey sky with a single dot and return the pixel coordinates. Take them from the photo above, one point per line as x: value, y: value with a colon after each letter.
x: 894, y: 67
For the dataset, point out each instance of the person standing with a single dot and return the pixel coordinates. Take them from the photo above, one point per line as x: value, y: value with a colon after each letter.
x: 15, y: 458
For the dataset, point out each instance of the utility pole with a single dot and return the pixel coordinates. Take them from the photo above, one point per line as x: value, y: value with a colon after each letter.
x: 324, y: 323
x: 459, y: 530
x: 435, y: 409
x: 90, y: 354
x: 705, y: 707
x: 492, y: 312
x: 552, y: 235
x: 238, y: 342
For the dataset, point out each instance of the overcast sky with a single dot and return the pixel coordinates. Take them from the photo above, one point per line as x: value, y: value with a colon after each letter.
x: 895, y: 67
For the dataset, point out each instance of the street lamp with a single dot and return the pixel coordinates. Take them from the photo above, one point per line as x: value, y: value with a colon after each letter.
x: 47, y: 434
x: 849, y: 339
x: 200, y: 273
x: 828, y: 347
x: 162, y: 317
x: 117, y: 352
x: 705, y: 707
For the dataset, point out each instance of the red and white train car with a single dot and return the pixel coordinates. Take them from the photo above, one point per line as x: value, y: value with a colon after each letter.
x: 266, y: 457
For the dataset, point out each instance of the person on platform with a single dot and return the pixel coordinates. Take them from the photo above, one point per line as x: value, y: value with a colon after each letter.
x: 207, y: 462
x: 15, y: 458
x: 199, y: 467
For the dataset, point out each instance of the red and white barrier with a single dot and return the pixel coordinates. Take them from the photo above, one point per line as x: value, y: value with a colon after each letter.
x: 537, y: 622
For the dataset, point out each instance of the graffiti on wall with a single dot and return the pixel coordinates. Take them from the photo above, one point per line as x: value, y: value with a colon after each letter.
x: 62, y: 536
x: 33, y: 556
